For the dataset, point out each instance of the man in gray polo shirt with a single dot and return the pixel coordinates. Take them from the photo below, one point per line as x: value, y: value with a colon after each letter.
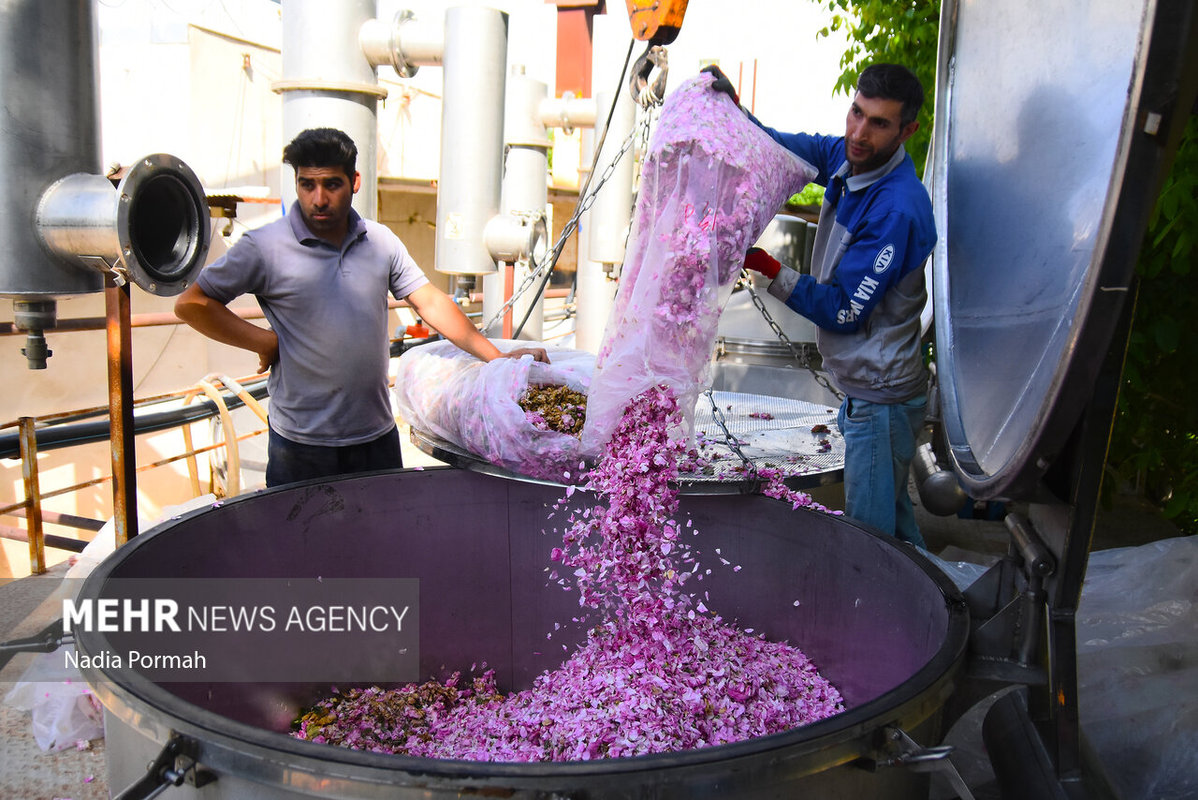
x: 321, y: 275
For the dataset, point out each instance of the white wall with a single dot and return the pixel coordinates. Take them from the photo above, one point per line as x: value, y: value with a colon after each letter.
x: 795, y: 70
x: 147, y: 77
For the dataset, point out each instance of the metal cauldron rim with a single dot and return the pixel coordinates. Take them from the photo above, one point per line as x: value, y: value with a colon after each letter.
x: 830, y: 742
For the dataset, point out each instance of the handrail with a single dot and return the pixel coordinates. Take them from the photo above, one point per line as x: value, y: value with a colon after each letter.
x: 29, y: 439
x: 21, y: 509
x: 70, y: 434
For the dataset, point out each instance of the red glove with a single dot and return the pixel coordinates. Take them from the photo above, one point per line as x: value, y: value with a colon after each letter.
x: 760, y: 261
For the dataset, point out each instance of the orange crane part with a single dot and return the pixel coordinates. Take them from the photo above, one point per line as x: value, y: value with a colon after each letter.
x: 656, y: 21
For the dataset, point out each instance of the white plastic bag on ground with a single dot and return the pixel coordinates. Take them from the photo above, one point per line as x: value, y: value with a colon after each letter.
x: 63, y: 708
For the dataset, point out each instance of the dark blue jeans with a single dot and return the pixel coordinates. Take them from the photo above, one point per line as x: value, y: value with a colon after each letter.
x: 879, y: 444
x: 288, y: 461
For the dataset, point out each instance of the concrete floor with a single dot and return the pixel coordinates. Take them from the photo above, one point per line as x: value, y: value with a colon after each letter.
x: 79, y: 774
x: 26, y: 772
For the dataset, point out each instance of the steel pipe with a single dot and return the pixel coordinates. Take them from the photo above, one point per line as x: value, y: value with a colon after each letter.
x: 938, y: 488
x: 329, y: 82
x: 519, y: 235
x: 63, y: 226
x: 151, y: 228
x: 568, y: 112
x: 515, y: 237
x: 405, y: 44
x: 468, y: 194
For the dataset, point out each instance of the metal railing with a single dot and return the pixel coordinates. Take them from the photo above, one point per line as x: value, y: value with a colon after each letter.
x: 76, y: 428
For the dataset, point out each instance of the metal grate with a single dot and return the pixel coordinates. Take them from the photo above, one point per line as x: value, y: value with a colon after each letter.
x: 771, y: 433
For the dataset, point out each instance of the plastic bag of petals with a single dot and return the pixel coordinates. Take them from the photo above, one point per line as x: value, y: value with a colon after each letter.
x: 711, y: 182
x: 446, y: 392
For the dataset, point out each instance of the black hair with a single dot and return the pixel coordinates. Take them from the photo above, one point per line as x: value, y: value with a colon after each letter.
x: 322, y: 147
x: 893, y: 82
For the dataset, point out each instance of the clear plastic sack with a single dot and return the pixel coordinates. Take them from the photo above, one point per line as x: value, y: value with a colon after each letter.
x: 64, y: 711
x: 711, y: 182
x: 446, y: 392
x: 1137, y: 645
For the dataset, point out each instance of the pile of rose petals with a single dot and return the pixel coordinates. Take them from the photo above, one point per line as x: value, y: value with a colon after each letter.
x: 660, y: 673
x: 555, y: 408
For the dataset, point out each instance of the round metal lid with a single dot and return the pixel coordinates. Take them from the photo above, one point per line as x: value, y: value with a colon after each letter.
x: 1052, y: 124
x: 795, y: 437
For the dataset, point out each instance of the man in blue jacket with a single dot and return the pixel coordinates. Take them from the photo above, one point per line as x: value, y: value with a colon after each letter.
x: 866, y: 289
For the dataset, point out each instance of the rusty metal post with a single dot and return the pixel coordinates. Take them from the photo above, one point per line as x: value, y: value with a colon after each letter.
x: 33, y: 497
x: 509, y: 281
x: 120, y: 410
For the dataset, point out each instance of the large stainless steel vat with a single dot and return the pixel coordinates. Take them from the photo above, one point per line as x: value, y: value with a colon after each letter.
x: 880, y: 622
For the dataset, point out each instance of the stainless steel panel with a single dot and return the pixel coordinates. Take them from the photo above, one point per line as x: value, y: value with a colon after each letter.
x: 1041, y: 194
x: 48, y: 129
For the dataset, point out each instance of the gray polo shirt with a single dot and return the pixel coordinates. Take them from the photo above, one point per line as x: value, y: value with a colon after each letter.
x: 328, y: 307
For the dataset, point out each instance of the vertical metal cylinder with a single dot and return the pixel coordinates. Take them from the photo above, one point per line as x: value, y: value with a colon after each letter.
x: 120, y: 412
x: 471, y: 137
x: 612, y: 212
x: 49, y: 129
x: 524, y: 192
x: 596, y: 293
x: 328, y: 82
x: 596, y: 290
x: 527, y: 159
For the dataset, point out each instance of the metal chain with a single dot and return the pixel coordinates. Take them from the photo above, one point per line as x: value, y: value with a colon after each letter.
x: 801, y: 355
x: 729, y: 439
x: 645, y: 126
x: 571, y: 225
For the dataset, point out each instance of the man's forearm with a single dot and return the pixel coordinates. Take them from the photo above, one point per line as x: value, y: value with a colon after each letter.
x: 439, y: 310
x: 219, y: 323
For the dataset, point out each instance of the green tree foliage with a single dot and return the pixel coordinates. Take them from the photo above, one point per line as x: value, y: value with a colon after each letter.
x: 1154, y: 444
x: 901, y: 32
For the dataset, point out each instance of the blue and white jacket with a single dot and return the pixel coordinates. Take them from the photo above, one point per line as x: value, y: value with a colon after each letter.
x: 866, y: 289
